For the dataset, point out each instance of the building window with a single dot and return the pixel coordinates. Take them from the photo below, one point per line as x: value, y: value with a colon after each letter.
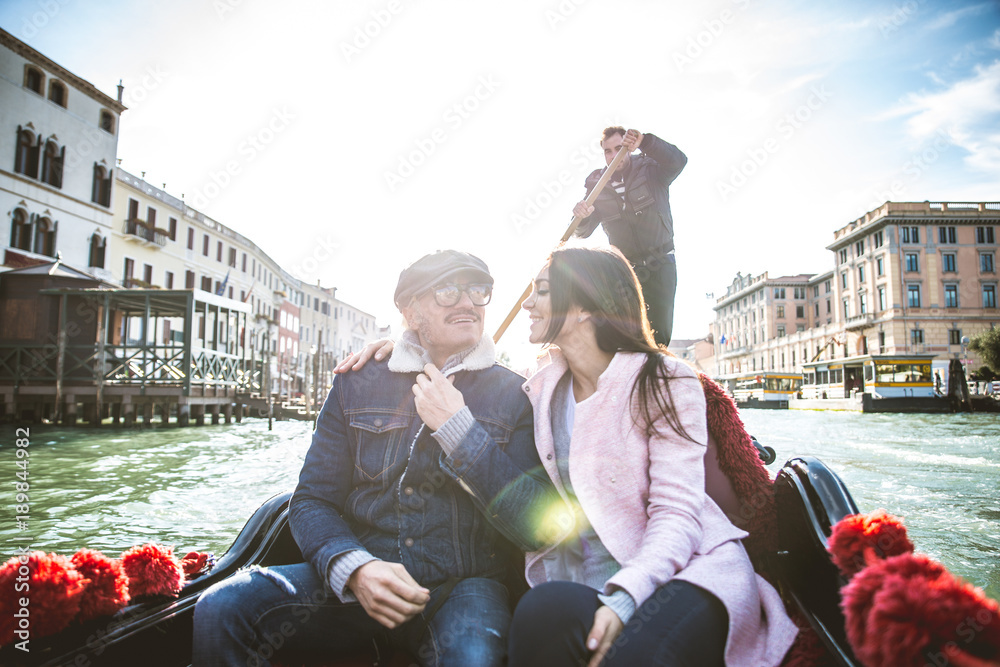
x: 881, y: 299
x: 98, y: 245
x: 107, y: 121
x: 827, y: 286
x: 861, y: 273
x: 45, y: 237
x: 946, y: 235
x: 828, y: 306
x: 917, y: 336
x: 948, y: 262
x: 986, y: 262
x: 911, y: 234
x: 20, y: 231
x: 57, y: 93
x: 781, y: 311
x: 984, y: 235
x: 847, y: 309
x: 34, y: 80
x: 147, y: 275
x: 816, y: 309
x: 244, y: 262
x: 781, y: 331
x: 190, y: 238
x: 880, y: 266
x: 913, y: 295
x: 52, y: 164
x: 172, y: 229
x: 779, y: 292
x: 800, y: 328
x: 843, y: 280
x: 815, y: 291
x: 218, y: 251
x: 206, y: 283
x: 843, y: 256
x: 26, y: 153
x: 912, y: 262
x: 863, y: 303
x: 800, y: 312
x: 151, y: 216
x: 204, y: 248
x: 168, y: 280
x: 859, y: 248
x: 989, y: 296
x: 232, y: 257
x: 954, y: 336
x: 877, y: 240
x: 128, y: 272
x: 951, y: 296
x: 189, y: 280
x: 881, y: 341
x: 101, y: 190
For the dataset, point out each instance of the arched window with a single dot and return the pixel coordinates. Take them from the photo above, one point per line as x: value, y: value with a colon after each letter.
x: 45, y: 237
x: 97, y: 246
x: 34, y: 79
x: 107, y: 122
x: 101, y: 191
x: 52, y: 164
x: 26, y: 153
x: 57, y: 93
x: 20, y: 230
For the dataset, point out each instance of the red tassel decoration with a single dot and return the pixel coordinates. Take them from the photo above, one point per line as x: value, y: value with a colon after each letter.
x: 152, y: 570
x: 859, y: 540
x: 107, y: 590
x: 50, y: 585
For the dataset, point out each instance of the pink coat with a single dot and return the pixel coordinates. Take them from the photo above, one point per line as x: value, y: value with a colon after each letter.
x: 646, y: 500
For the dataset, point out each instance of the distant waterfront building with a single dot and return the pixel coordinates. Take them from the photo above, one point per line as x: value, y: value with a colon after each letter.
x: 58, y: 144
x: 909, y: 279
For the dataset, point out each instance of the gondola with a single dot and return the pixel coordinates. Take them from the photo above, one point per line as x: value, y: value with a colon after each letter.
x: 810, y: 500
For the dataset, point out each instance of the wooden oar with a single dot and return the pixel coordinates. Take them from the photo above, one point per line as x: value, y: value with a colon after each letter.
x: 605, y: 177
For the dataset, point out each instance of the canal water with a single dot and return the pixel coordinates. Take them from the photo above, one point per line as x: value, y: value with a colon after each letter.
x: 193, y: 488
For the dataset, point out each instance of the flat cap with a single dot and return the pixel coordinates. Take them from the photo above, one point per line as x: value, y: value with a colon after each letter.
x: 436, y: 268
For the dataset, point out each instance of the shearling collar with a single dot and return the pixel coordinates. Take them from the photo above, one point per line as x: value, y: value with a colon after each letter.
x: 408, y: 356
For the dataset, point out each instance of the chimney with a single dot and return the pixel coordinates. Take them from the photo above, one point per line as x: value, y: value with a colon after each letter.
x: 121, y: 89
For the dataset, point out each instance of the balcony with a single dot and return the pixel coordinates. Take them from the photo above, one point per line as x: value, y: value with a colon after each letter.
x: 140, y: 231
x: 859, y: 322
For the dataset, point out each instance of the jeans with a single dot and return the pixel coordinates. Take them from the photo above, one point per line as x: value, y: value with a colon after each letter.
x: 248, y: 618
x: 680, y: 625
x: 659, y: 285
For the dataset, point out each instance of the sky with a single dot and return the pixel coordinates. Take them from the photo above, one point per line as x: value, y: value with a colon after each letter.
x: 347, y: 139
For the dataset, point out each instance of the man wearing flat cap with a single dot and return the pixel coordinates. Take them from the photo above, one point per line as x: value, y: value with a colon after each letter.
x: 419, y: 492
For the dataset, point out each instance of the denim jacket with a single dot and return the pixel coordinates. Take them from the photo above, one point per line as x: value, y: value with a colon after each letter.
x: 376, y: 480
x: 640, y: 225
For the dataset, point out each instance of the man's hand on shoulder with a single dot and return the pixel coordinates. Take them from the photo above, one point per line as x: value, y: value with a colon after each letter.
x: 632, y: 140
x: 387, y: 592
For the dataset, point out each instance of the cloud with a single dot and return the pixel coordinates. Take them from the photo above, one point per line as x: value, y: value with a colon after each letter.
x: 967, y: 112
x: 949, y: 19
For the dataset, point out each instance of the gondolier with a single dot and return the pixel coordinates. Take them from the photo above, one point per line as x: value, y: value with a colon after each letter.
x: 635, y: 214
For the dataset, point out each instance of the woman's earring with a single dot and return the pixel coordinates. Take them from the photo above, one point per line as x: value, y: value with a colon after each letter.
x: 579, y: 318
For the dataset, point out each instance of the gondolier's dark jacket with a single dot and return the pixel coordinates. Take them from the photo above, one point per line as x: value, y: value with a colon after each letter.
x: 640, y: 225
x: 375, y: 479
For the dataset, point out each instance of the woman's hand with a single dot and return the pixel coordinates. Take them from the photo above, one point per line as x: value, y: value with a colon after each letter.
x: 607, y: 627
x: 355, y: 361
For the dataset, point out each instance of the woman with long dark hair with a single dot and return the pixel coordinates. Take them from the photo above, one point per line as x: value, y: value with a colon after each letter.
x: 653, y: 573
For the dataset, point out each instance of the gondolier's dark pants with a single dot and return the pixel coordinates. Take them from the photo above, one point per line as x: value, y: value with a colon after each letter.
x: 286, y: 611
x: 681, y: 625
x: 658, y: 278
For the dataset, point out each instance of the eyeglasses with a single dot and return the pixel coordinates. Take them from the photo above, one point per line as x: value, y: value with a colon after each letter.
x: 448, y: 295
